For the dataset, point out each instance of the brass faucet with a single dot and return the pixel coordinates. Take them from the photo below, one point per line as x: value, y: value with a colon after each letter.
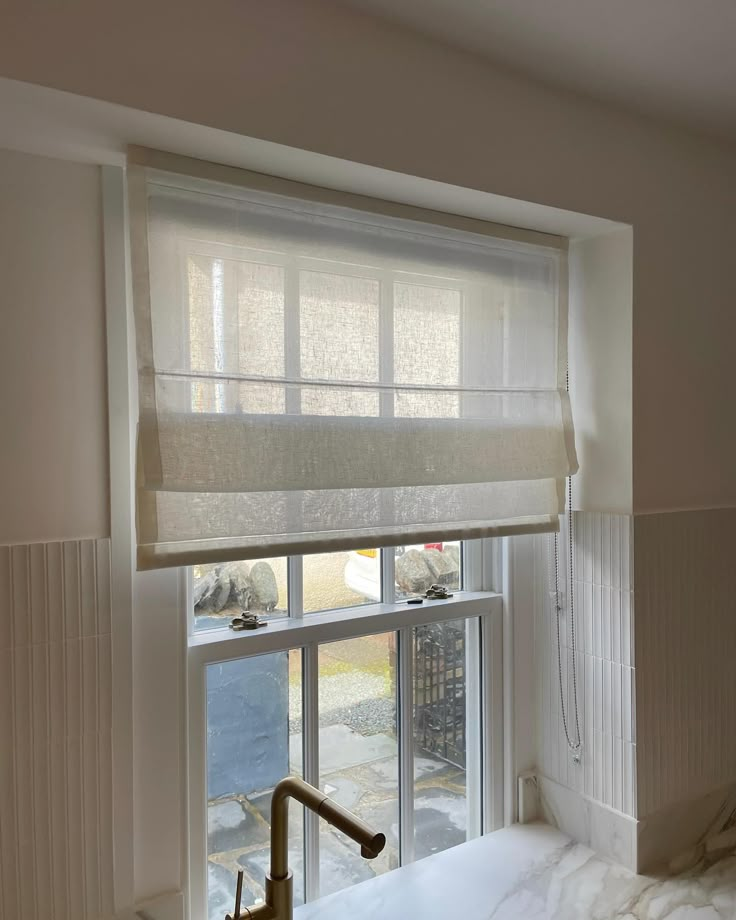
x: 279, y: 904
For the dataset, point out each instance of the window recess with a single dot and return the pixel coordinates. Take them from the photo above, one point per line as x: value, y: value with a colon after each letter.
x: 330, y: 384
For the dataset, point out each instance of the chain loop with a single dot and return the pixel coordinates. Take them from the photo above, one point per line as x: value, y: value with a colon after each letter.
x: 576, y: 745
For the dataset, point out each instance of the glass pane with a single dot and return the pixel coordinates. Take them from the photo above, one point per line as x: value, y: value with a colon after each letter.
x: 358, y: 753
x: 253, y: 740
x: 236, y: 322
x: 339, y: 341
x: 441, y: 714
x: 419, y: 566
x: 427, y: 330
x: 224, y: 590
x: 260, y: 334
x: 341, y: 579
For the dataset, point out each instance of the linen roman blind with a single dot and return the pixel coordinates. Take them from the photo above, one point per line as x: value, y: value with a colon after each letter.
x: 321, y: 372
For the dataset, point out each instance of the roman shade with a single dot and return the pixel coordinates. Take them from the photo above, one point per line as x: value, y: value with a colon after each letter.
x: 319, y: 371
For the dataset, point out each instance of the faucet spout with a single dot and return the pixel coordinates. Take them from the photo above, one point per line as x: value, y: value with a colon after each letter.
x: 279, y: 897
x: 370, y: 842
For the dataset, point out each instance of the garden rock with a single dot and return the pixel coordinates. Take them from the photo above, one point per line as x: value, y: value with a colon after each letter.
x: 212, y: 593
x: 264, y: 587
x: 413, y: 575
x: 452, y: 551
x: 241, y: 590
x: 442, y: 566
x: 202, y: 589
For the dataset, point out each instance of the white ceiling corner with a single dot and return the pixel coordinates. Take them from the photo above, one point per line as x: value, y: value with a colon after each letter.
x: 671, y: 58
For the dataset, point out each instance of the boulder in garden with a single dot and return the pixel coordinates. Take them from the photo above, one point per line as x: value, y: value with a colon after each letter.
x: 413, y: 575
x: 264, y: 587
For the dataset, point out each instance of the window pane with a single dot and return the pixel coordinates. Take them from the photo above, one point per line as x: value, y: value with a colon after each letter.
x: 339, y: 341
x: 253, y: 740
x: 442, y: 712
x: 341, y: 580
x: 417, y: 567
x: 427, y: 330
x: 225, y: 590
x: 358, y: 753
x: 236, y: 322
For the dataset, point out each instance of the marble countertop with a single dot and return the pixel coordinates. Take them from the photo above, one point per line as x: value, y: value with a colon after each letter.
x: 533, y: 872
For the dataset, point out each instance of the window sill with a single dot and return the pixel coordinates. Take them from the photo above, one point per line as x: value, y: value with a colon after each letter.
x: 332, y: 625
x: 473, y: 880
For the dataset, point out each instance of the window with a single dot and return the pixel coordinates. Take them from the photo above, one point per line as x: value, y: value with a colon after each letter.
x: 342, y: 402
x: 377, y: 702
x: 315, y: 378
x: 325, y: 581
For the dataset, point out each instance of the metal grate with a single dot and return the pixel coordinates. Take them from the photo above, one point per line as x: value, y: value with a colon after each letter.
x: 439, y: 691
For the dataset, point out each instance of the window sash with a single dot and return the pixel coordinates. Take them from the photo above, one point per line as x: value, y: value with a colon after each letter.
x: 308, y: 632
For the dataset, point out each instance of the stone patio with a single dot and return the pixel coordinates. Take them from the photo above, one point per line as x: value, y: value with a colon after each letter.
x: 360, y: 772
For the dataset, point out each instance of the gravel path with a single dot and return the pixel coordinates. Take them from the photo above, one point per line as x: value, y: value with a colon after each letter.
x: 358, y: 700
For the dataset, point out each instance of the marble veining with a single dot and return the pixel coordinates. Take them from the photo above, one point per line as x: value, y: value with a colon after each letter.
x: 686, y: 827
x: 610, y: 833
x: 535, y: 872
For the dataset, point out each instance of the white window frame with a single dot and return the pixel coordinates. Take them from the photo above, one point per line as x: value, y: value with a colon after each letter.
x: 488, y: 569
x: 486, y: 791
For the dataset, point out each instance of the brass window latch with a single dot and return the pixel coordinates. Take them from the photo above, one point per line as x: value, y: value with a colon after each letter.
x: 247, y: 621
x: 438, y: 592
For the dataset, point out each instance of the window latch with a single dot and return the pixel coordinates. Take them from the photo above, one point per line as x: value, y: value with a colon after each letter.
x: 246, y: 621
x: 438, y: 592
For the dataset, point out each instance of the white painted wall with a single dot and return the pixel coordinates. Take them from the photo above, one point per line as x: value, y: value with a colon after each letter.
x: 53, y: 413
x: 600, y: 338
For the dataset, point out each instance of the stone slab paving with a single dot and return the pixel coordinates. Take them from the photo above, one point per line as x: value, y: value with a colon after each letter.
x: 238, y: 826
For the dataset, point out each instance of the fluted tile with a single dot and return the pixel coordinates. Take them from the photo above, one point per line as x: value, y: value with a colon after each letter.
x: 6, y: 599
x: 685, y: 634
x: 20, y: 595
x: 605, y: 676
x: 55, y: 722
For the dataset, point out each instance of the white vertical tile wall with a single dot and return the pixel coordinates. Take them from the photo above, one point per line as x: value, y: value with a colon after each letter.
x: 603, y: 596
x: 55, y: 731
x: 686, y: 635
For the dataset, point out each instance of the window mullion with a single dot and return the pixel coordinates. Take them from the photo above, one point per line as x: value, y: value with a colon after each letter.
x: 231, y: 333
x: 292, y: 337
x: 406, y: 745
x: 295, y: 571
x: 293, y: 393
x: 310, y: 729
x: 388, y: 575
x: 473, y: 729
x: 386, y: 410
x: 472, y: 565
x: 386, y: 345
x: 492, y: 691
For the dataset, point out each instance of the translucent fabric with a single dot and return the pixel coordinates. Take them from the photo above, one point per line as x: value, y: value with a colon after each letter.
x: 314, y: 377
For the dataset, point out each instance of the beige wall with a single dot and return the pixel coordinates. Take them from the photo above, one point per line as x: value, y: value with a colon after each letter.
x: 53, y: 423
x: 320, y: 77
x: 600, y: 370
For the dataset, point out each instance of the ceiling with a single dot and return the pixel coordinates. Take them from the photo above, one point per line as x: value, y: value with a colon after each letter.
x: 673, y: 58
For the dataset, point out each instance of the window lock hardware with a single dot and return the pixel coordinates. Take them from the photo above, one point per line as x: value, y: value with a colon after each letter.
x: 437, y: 592
x: 246, y: 621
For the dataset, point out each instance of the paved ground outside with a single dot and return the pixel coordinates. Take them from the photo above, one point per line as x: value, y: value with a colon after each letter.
x: 239, y: 829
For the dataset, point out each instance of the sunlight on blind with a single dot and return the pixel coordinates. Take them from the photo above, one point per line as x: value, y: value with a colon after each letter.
x: 314, y: 377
